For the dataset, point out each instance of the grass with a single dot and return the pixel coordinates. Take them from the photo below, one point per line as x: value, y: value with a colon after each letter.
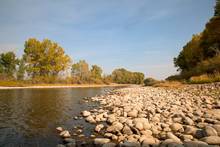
x: 169, y: 84
x: 205, y: 78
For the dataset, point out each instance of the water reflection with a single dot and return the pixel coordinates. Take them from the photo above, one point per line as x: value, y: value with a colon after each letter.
x: 28, y: 117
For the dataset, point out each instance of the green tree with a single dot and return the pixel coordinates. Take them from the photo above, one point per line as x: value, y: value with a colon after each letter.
x: 8, y: 62
x: 45, y: 58
x: 201, y: 54
x: 96, y: 72
x: 81, y: 70
x: 21, y: 70
x: 190, y: 55
x: 217, y: 8
x: 138, y: 78
x: 123, y: 76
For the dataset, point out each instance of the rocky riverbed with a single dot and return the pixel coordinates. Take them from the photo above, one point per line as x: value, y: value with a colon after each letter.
x: 148, y: 116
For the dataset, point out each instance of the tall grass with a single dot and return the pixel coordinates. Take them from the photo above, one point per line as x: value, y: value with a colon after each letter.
x: 205, y: 78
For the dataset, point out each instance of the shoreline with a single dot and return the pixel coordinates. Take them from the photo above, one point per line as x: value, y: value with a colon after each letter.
x: 48, y: 86
x: 144, y: 116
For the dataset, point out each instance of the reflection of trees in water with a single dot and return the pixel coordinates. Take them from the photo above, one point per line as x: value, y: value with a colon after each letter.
x: 32, y: 114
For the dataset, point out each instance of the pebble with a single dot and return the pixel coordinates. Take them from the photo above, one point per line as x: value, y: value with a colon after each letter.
x: 147, y: 115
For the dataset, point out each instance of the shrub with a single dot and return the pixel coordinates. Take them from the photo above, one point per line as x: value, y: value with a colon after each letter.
x: 150, y: 82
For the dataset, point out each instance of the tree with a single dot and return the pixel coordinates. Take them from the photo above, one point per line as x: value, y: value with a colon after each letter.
x: 201, y: 54
x: 45, y: 58
x: 96, y: 72
x: 81, y: 70
x: 123, y: 76
x: 8, y: 63
x: 138, y: 78
x: 217, y: 8
x: 21, y: 70
x: 190, y: 55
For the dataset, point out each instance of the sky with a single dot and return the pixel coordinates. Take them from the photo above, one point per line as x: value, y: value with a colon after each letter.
x: 139, y: 35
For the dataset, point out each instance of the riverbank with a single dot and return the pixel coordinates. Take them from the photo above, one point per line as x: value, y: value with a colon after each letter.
x: 143, y: 116
x: 63, y: 86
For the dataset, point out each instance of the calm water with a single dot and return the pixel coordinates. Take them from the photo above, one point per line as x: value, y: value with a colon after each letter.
x: 28, y: 117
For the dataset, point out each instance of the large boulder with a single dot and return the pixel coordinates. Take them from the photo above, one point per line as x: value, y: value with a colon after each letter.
x: 213, y: 140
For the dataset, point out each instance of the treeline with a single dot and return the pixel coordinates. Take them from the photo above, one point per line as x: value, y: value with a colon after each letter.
x: 46, y: 62
x: 201, y: 55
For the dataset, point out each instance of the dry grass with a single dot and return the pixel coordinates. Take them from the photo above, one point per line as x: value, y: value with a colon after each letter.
x: 205, y: 78
x: 169, y: 84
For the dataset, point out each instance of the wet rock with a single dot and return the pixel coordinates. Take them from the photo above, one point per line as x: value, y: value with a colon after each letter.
x: 86, y: 113
x: 71, y: 145
x: 69, y: 140
x: 130, y: 144
x: 90, y: 119
x: 170, y: 143
x: 65, y: 134
x: 60, y: 129
x: 110, y: 144
x: 60, y: 145
x: 195, y: 144
x: 99, y: 127
x: 101, y: 141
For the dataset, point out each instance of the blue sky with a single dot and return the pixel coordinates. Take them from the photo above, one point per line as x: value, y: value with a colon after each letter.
x: 139, y: 35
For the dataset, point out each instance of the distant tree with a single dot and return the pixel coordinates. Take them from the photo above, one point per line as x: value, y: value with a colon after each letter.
x: 44, y: 58
x: 81, y: 70
x: 107, y: 79
x: 123, y: 76
x: 21, y: 70
x: 138, y: 78
x: 8, y: 63
x: 217, y: 8
x: 96, y: 72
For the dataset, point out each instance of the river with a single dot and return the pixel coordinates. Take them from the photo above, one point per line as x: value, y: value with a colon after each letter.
x: 28, y: 117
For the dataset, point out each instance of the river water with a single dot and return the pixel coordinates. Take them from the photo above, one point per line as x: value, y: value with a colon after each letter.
x: 28, y: 117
